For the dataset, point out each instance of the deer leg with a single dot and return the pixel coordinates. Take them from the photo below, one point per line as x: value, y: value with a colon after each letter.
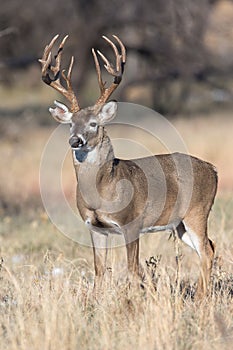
x: 132, y: 248
x: 133, y: 257
x: 99, y: 243
x: 194, y: 233
x: 207, y: 257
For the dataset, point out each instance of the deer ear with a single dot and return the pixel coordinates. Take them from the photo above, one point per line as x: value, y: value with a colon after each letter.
x: 108, y: 112
x: 61, y: 113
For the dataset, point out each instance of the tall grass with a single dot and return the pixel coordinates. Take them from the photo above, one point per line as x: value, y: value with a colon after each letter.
x: 46, y: 298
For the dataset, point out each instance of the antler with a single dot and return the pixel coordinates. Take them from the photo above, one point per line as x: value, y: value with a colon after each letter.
x: 116, y: 72
x: 54, y: 81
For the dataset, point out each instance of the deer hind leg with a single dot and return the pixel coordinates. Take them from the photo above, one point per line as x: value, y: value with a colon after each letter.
x: 194, y: 233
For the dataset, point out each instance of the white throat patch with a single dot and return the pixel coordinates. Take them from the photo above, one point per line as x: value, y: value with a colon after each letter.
x: 88, y: 157
x: 92, y: 156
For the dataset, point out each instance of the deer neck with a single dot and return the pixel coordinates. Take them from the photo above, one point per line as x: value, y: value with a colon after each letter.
x: 101, y: 153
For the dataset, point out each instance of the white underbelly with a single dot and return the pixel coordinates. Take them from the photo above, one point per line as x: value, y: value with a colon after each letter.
x: 169, y: 227
x: 115, y: 228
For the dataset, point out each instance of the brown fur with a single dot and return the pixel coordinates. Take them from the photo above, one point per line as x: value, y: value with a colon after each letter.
x: 178, y: 171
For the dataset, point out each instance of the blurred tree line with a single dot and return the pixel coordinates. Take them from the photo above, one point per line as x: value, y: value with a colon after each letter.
x: 165, y: 43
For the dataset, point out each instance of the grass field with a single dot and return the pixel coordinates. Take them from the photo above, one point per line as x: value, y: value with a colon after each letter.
x: 46, y: 280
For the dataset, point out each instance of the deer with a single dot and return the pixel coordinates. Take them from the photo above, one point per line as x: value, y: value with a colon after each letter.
x: 130, y: 197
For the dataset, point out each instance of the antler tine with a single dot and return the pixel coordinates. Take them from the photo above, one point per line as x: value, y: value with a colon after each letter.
x: 54, y: 81
x: 70, y: 68
x: 116, y: 71
x: 118, y: 57
x: 67, y: 77
x: 98, y: 71
x: 123, y: 49
x: 57, y: 57
x: 50, y: 45
x: 46, y: 59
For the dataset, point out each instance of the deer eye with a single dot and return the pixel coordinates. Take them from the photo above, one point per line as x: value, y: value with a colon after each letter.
x: 93, y: 124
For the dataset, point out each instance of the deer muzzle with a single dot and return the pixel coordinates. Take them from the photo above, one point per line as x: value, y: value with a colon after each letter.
x: 77, y: 141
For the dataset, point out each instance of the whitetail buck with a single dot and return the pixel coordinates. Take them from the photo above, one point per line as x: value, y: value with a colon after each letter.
x: 129, y: 197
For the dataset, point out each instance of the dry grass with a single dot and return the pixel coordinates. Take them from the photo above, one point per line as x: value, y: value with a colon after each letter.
x: 46, y: 280
x: 46, y: 299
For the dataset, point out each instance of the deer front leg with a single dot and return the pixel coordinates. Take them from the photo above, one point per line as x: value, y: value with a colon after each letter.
x: 133, y: 257
x: 132, y: 247
x: 99, y: 243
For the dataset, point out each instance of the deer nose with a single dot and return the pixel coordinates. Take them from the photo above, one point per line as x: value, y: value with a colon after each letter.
x: 76, y: 141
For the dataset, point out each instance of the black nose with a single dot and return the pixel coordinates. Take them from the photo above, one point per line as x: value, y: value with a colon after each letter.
x: 76, y: 142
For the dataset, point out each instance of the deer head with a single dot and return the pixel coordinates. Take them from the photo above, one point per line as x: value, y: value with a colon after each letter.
x: 85, y: 123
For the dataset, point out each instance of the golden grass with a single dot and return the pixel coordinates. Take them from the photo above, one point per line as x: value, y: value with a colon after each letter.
x: 46, y: 299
